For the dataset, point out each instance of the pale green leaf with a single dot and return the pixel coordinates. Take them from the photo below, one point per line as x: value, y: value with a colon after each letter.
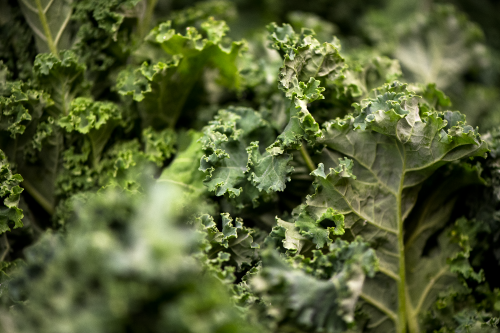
x: 48, y: 19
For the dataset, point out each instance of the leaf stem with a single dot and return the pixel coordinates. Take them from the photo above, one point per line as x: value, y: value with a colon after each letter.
x: 7, y: 247
x: 38, y: 197
x: 146, y: 20
x: 307, y: 157
x: 402, y: 320
x: 46, y: 29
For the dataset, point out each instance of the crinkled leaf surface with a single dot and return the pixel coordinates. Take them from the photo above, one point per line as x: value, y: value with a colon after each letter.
x: 306, y: 64
x: 95, y: 119
x: 102, y: 42
x: 236, y: 164
x: 10, y: 193
x: 393, y: 148
x: 62, y: 78
x: 161, y: 88
x: 316, y: 294
x: 234, y: 240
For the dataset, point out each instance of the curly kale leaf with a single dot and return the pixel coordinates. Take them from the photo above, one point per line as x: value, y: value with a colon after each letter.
x: 19, y: 105
x: 237, y: 165
x: 62, y: 78
x: 10, y: 193
x: 103, y: 41
x: 306, y: 65
x: 94, y: 119
x: 394, y: 148
x: 159, y: 146
x: 318, y: 294
x: 229, y: 249
x: 162, y: 87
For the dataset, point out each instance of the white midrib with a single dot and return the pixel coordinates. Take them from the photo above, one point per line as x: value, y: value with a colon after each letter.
x: 401, y: 322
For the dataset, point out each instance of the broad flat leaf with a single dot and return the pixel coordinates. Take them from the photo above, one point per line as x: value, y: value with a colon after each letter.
x: 438, y: 272
x: 48, y: 19
x: 394, y: 148
x: 183, y: 171
x: 17, y: 49
x: 434, y: 45
x: 163, y: 86
x: 41, y: 174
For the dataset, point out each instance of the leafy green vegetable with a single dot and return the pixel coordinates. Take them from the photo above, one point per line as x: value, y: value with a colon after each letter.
x: 48, y: 20
x: 166, y: 84
x: 120, y: 253
x: 10, y: 192
x: 191, y: 166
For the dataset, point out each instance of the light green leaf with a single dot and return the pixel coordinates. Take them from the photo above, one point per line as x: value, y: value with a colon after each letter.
x: 94, y: 119
x: 48, y: 19
x: 434, y: 45
x: 62, y: 78
x: 268, y: 172
x: 234, y: 240
x: 183, y: 171
x: 163, y: 86
x: 19, y: 105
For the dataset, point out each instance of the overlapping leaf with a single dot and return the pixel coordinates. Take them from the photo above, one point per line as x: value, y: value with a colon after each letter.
x: 62, y: 78
x: 19, y: 104
x: 101, y: 41
x: 183, y: 171
x: 49, y: 21
x: 10, y: 193
x: 316, y: 294
x: 305, y: 61
x: 238, y: 165
x: 394, y: 149
x: 162, y: 87
x: 122, y: 255
x: 233, y: 246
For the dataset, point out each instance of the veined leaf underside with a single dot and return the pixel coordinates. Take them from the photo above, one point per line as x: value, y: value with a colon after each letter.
x: 392, y: 157
x: 48, y: 19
